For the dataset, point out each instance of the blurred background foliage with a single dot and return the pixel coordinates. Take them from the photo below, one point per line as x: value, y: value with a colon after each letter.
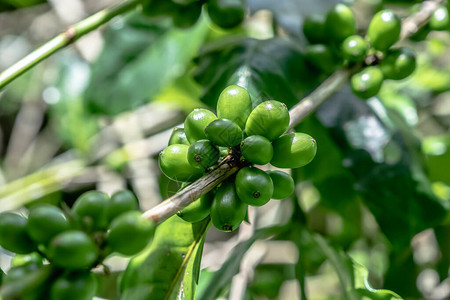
x: 371, y: 210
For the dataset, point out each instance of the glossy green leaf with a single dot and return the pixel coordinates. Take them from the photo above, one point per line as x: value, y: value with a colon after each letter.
x: 268, y: 69
x: 169, y: 268
x: 139, y: 59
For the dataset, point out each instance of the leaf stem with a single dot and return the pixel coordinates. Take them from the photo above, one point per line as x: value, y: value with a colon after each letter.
x: 298, y: 113
x: 64, y: 39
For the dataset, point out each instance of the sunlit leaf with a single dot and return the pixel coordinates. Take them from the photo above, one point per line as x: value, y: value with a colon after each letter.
x: 169, y: 268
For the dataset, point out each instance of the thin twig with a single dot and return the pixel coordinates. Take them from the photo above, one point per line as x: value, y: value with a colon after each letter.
x: 64, y: 39
x: 298, y: 113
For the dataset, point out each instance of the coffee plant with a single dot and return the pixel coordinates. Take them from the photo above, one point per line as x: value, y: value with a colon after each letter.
x: 225, y: 149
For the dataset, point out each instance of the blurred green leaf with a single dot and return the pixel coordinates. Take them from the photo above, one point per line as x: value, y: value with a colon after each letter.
x: 169, y: 268
x: 437, y: 149
x: 7, y: 5
x: 34, y: 285
x: 213, y: 284
x: 268, y: 69
x: 139, y: 59
x: 354, y: 277
x: 334, y: 182
x: 396, y: 190
x: 268, y: 279
x: 385, y: 159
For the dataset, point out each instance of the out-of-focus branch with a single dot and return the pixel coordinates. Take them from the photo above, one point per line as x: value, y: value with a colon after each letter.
x: 413, y: 23
x: 298, y: 113
x: 64, y: 39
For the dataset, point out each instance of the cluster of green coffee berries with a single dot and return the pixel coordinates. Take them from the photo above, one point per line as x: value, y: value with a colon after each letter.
x: 247, y: 137
x: 65, y: 244
x: 335, y: 43
x: 185, y: 13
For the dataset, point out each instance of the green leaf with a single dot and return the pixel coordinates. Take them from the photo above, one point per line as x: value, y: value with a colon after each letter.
x: 386, y: 164
x: 7, y: 5
x: 364, y: 288
x: 139, y: 59
x: 268, y: 69
x: 385, y: 161
x: 31, y: 286
x: 354, y: 277
x: 216, y: 282
x: 169, y: 268
x: 438, y: 154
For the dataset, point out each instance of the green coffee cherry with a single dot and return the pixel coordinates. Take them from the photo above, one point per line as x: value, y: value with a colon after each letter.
x: 72, y: 249
x: 74, y: 286
x: 253, y: 186
x: 257, y: 149
x: 198, y: 210
x: 314, y: 29
x: 283, y: 184
x: 178, y: 136
x: 196, y: 122
x: 354, y: 48
x: 13, y: 234
x: 293, y: 150
x: 235, y: 105
x: 224, y: 133
x: 186, y: 16
x: 340, y: 23
x: 440, y: 19
x: 121, y: 202
x: 269, y: 119
x: 130, y: 233
x: 173, y: 162
x: 227, y: 211
x: 398, y: 63
x: 45, y: 221
x: 226, y: 13
x: 321, y: 57
x: 367, y: 82
x: 384, y: 30
x: 203, y: 154
x: 90, y: 208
